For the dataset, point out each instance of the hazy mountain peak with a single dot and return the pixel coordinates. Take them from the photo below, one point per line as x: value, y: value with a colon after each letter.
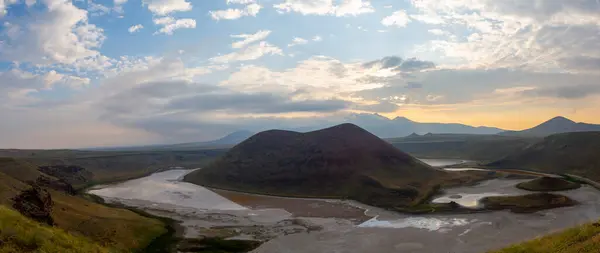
x: 560, y: 119
x: 556, y: 125
x: 404, y: 119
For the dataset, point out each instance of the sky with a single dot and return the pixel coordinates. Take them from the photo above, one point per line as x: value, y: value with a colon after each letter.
x: 88, y: 73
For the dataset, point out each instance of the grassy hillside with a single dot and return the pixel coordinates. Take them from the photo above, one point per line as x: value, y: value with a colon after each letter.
x: 461, y: 146
x: 19, y: 234
x: 19, y: 169
x: 573, y: 153
x: 112, y: 227
x: 106, y: 166
x: 581, y: 239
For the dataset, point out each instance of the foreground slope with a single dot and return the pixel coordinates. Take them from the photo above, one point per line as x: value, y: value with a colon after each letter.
x: 20, y: 234
x: 116, y: 228
x: 581, y: 239
x: 555, y: 125
x: 572, y: 153
x: 344, y: 161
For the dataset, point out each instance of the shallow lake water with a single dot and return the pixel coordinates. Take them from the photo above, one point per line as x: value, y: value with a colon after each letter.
x: 442, y: 162
x: 199, y: 208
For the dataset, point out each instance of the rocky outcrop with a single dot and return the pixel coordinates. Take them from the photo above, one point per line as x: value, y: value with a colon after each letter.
x: 35, y: 203
x: 70, y: 174
x: 59, y: 185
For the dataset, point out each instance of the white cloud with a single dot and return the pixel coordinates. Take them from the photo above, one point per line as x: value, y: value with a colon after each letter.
x: 326, y: 7
x: 61, y: 35
x: 120, y: 2
x: 252, y: 52
x: 163, y: 20
x: 353, y: 8
x: 317, y: 38
x: 538, y: 35
x: 248, y: 39
x: 164, y: 7
x: 231, y: 14
x: 135, y: 28
x: 297, y: 41
x: 398, y: 18
x: 97, y: 10
x: 439, y: 32
x: 240, y: 1
x: 170, y: 24
x: 4, y: 4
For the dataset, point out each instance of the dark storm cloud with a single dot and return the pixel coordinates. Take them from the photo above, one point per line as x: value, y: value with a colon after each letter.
x: 386, y: 62
x: 253, y: 103
x: 581, y: 63
x: 412, y: 64
x: 400, y: 65
x: 382, y: 106
x: 413, y: 85
x: 176, y: 96
x: 566, y: 92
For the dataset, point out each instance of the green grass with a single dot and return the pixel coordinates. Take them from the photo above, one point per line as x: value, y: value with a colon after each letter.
x: 545, y: 184
x: 527, y: 203
x: 19, y: 234
x: 113, y: 227
x: 217, y: 245
x: 116, y: 228
x: 581, y: 239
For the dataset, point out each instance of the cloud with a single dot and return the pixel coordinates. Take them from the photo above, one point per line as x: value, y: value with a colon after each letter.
x: 240, y: 1
x: 165, y: 7
x: 438, y: 32
x: 326, y: 7
x: 298, y: 41
x: 61, y: 34
x: 378, y: 107
x: 135, y: 28
x: 17, y: 85
x: 251, y: 52
x: 317, y: 38
x: 536, y: 35
x: 256, y: 103
x: 170, y: 25
x: 248, y: 39
x: 4, y: 4
x: 398, y: 19
x: 97, y: 10
x: 581, y: 63
x: 413, y: 85
x: 397, y: 64
x: 232, y: 14
x: 565, y: 92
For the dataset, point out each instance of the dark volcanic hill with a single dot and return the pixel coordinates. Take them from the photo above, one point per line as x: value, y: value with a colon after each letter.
x: 573, y: 153
x: 344, y: 161
x: 555, y: 126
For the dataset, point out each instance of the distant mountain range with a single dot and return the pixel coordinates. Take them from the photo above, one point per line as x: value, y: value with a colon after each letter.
x: 384, y: 127
x: 554, y: 126
x: 228, y: 140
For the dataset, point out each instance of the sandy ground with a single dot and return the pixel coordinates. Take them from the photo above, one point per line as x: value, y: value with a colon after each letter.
x: 315, y: 208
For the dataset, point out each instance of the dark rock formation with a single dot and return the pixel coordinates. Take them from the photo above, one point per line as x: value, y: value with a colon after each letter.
x: 344, y: 161
x: 73, y: 175
x: 59, y: 185
x: 35, y: 203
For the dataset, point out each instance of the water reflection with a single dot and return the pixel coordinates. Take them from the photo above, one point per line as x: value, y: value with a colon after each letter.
x: 165, y: 188
x: 431, y: 224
